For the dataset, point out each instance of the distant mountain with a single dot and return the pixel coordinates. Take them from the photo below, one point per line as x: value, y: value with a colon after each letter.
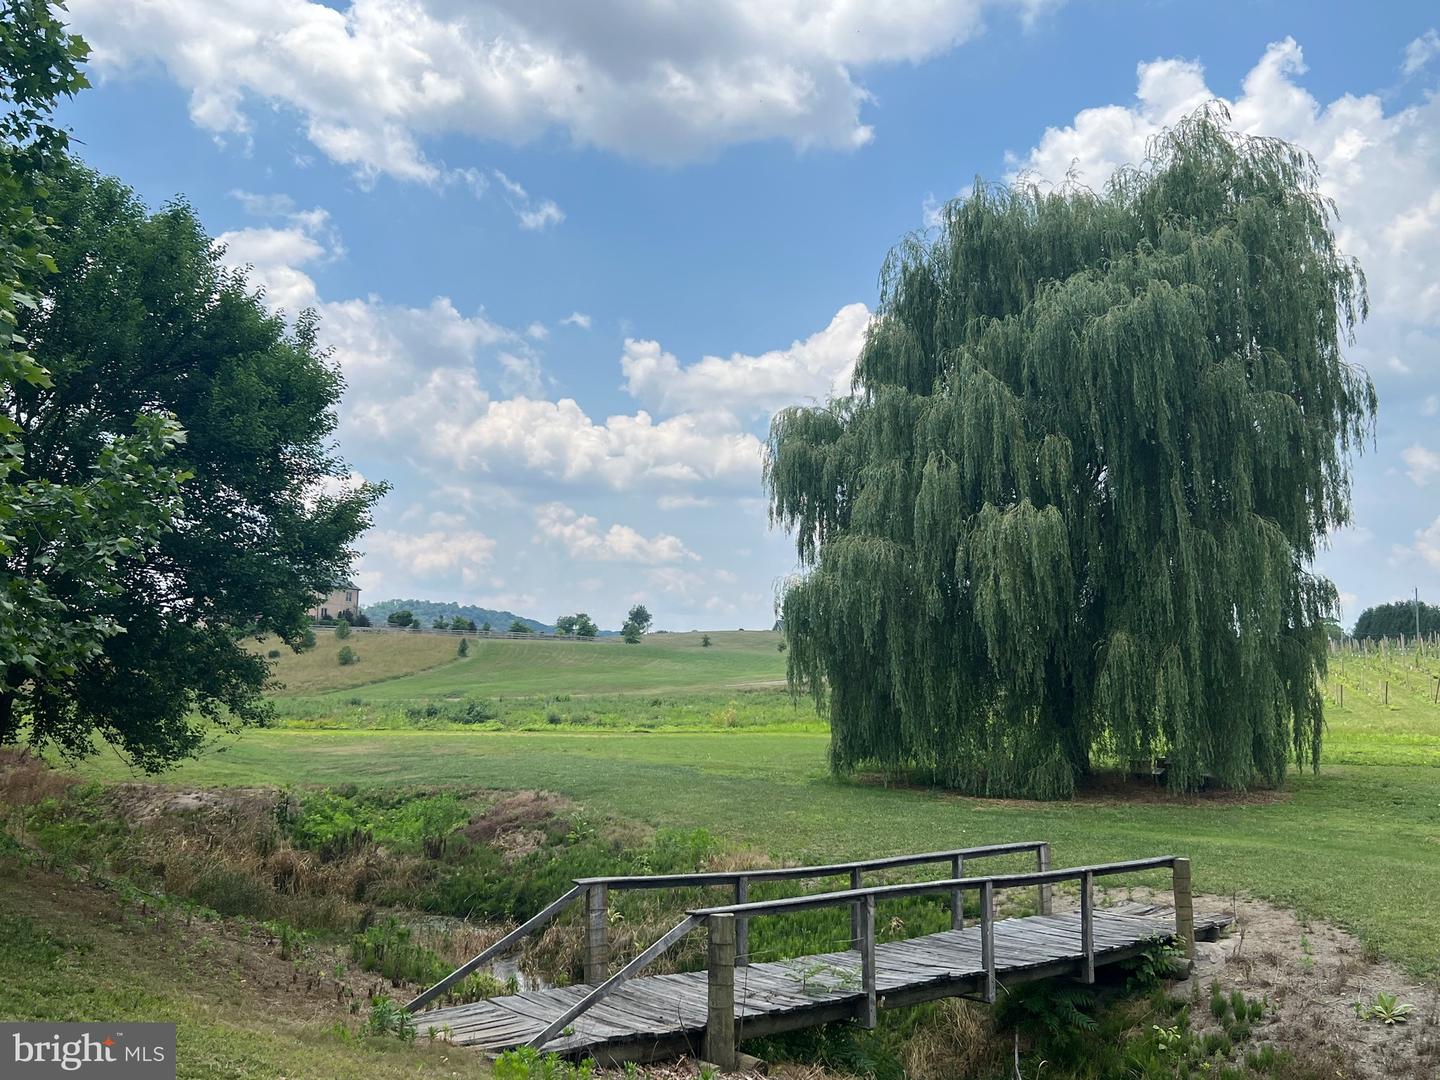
x: 427, y: 611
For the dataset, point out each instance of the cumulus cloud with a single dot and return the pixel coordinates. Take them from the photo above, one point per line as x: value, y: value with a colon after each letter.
x: 814, y: 368
x: 532, y: 213
x: 1427, y: 543
x: 1422, y: 464
x: 1421, y: 51
x: 666, y: 82
x: 576, y: 318
x: 582, y: 538
x: 442, y: 555
x: 1382, y: 169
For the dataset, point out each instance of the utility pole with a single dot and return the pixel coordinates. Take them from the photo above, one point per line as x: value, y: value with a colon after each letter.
x: 1417, y: 614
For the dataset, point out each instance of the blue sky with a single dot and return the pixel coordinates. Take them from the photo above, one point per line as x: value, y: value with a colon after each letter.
x: 572, y: 256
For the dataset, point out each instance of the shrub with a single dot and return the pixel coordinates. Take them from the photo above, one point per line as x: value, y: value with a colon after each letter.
x: 273, y: 654
x: 464, y: 649
x: 705, y: 641
x: 342, y: 630
x: 346, y: 656
x: 306, y: 642
x: 527, y: 1063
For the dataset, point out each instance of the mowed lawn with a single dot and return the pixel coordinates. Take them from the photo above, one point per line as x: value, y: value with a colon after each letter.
x: 406, y: 667
x: 1358, y: 844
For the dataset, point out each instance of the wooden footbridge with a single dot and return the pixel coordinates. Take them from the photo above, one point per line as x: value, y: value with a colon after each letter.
x: 626, y: 1016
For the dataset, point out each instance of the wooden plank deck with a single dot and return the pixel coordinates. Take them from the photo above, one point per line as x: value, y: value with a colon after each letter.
x: 660, y: 1016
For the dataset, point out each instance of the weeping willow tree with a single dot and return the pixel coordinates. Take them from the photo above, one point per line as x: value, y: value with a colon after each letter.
x: 1069, y: 510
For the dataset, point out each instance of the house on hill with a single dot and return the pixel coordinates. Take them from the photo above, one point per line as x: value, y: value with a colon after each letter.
x: 343, y: 598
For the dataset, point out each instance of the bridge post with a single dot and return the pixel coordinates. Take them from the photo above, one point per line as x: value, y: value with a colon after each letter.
x: 987, y: 938
x: 866, y: 1008
x: 597, y: 941
x: 1087, y: 927
x: 1184, y: 907
x: 957, y: 896
x: 720, y: 999
x: 742, y: 922
x: 855, y: 913
x: 1042, y: 863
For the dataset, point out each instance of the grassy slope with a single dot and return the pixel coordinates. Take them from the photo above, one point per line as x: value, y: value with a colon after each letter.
x: 1357, y: 844
x: 73, y: 953
x: 418, y: 666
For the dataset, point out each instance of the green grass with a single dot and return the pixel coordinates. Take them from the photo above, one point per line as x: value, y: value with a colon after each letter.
x: 71, y: 955
x: 411, y: 667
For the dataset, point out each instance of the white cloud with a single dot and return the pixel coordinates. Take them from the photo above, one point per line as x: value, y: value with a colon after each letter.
x: 668, y: 82
x: 1398, y: 366
x: 1383, y: 170
x: 682, y: 502
x: 1431, y: 405
x: 537, y: 330
x: 534, y: 214
x: 1427, y: 543
x: 1421, y: 464
x: 442, y: 555
x: 583, y: 539
x: 576, y: 318
x: 751, y: 385
x: 1421, y: 51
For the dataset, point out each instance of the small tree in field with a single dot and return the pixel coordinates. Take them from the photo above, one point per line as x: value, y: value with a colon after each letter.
x: 403, y: 617
x: 464, y: 649
x: 641, y: 617
x: 342, y: 630
x: 705, y: 641
x: 346, y: 656
x: 518, y: 627
x: 1072, y: 503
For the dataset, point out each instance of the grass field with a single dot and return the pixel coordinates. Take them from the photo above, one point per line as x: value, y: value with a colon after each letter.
x: 409, y: 667
x: 1359, y: 843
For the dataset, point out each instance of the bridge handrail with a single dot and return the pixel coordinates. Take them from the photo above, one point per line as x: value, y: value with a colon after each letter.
x: 798, y: 873
x: 721, y: 923
x: 920, y: 888
x: 596, y: 890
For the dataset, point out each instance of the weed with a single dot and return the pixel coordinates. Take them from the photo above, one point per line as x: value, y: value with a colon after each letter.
x: 527, y: 1063
x: 388, y: 1018
x: 1386, y: 1008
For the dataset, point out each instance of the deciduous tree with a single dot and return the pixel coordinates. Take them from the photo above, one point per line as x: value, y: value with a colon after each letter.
x: 1070, y: 508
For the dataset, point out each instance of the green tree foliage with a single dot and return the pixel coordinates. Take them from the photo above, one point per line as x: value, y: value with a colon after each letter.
x: 519, y: 627
x: 1072, y: 503
x: 141, y: 322
x: 464, y: 648
x: 460, y: 622
x: 64, y: 533
x: 630, y: 633
x: 641, y: 617
x: 705, y: 641
x: 1393, y: 620
x: 346, y: 656
x: 342, y: 630
x: 578, y: 625
x: 400, y: 618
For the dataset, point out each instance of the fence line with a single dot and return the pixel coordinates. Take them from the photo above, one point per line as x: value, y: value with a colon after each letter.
x: 498, y: 634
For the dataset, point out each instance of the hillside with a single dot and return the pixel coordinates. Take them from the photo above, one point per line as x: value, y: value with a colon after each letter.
x: 395, y: 667
x: 429, y: 610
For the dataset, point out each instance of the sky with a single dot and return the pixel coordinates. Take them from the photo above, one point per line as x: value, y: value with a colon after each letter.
x: 571, y: 257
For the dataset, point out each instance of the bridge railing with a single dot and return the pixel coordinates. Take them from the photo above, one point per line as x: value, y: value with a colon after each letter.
x: 596, y: 891
x: 720, y: 923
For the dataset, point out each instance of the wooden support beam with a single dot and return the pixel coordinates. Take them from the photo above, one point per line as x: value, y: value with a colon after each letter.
x: 629, y: 971
x: 856, y: 882
x: 597, y: 936
x: 720, y: 999
x: 505, y: 944
x: 742, y: 922
x: 1087, y: 927
x: 866, y: 1008
x: 1184, y: 907
x: 987, y: 937
x: 957, y: 896
x: 1045, y: 904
